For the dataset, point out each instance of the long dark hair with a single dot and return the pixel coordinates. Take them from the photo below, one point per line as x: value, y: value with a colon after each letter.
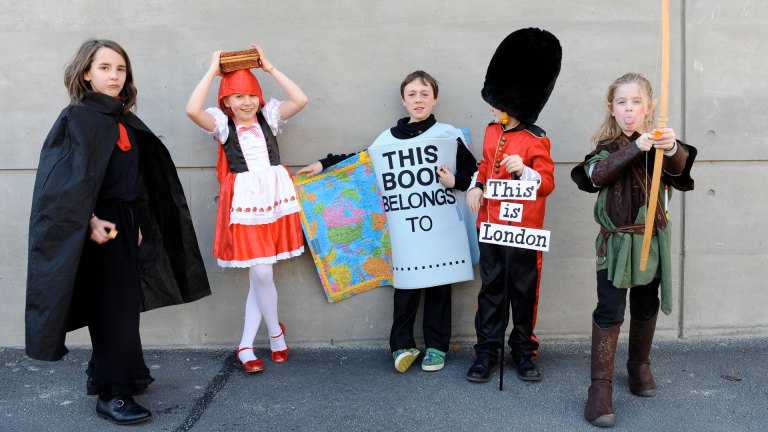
x: 74, y: 73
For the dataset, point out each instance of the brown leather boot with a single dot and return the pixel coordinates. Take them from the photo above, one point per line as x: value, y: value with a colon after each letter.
x: 599, y: 408
x: 641, y: 382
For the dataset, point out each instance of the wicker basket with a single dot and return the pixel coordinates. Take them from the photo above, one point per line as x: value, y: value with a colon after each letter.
x: 234, y: 60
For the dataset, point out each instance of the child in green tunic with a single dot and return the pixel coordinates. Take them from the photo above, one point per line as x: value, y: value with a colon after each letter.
x: 619, y: 170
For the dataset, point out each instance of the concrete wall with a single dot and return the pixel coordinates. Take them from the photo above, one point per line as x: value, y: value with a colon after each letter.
x: 349, y: 57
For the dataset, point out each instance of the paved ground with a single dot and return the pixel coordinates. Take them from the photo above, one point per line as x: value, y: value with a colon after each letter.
x: 706, y: 385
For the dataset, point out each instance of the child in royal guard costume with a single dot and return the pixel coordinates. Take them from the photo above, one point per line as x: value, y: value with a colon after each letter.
x: 520, y: 78
x: 619, y: 170
x: 419, y: 132
x: 258, y: 217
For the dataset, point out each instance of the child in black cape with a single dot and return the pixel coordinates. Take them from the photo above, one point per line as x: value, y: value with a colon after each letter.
x: 110, y: 233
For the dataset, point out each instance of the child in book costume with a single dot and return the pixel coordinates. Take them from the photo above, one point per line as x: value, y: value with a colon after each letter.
x: 110, y: 233
x: 619, y: 171
x: 415, y: 162
x: 514, y: 148
x: 258, y: 220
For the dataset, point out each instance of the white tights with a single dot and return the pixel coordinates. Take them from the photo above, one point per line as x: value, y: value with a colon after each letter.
x: 261, y: 303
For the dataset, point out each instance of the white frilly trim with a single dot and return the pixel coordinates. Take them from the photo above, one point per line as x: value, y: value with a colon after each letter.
x: 241, y: 218
x: 264, y: 260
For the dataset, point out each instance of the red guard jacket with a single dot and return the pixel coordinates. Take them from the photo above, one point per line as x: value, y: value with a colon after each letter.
x: 532, y: 144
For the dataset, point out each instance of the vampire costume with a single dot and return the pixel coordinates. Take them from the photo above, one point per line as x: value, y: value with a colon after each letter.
x: 72, y: 281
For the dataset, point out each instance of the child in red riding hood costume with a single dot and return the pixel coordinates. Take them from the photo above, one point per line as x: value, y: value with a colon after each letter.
x: 258, y: 217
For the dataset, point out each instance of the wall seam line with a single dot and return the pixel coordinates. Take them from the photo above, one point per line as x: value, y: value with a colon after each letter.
x: 683, y: 126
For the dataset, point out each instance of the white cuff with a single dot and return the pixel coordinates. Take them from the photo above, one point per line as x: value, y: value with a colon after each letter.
x: 473, y: 180
x: 672, y: 152
x: 530, y: 174
x: 589, y: 173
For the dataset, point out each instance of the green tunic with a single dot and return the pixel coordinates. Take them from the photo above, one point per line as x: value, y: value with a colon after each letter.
x: 622, y: 250
x: 622, y: 256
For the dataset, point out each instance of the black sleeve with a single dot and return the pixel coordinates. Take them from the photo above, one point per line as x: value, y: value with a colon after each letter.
x: 333, y: 159
x: 466, y: 165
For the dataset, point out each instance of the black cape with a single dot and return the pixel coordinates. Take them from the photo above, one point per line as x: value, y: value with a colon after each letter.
x: 73, y: 162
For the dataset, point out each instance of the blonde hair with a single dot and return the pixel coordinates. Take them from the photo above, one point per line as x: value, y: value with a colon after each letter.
x: 609, y: 130
x: 75, y: 81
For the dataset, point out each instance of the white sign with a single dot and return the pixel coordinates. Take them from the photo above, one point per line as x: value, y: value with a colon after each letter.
x: 511, y: 189
x: 512, y: 212
x: 426, y: 226
x: 506, y: 235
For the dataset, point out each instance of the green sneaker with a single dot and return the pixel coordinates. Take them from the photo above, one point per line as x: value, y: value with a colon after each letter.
x: 404, y: 358
x: 433, y: 360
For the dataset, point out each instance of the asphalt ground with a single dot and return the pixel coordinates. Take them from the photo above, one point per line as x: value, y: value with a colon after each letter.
x: 703, y: 385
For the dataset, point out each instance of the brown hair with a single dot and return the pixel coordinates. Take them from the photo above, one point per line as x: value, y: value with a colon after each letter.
x: 74, y: 73
x: 425, y: 78
x: 609, y: 130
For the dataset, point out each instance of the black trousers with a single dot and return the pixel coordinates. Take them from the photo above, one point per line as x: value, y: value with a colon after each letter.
x: 117, y: 365
x: 437, y: 318
x: 522, y: 268
x: 612, y: 301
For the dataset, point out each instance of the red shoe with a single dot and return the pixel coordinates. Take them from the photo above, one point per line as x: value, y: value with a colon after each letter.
x: 280, y: 356
x: 252, y: 365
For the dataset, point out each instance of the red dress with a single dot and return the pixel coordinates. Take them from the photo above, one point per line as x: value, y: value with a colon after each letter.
x: 268, y: 227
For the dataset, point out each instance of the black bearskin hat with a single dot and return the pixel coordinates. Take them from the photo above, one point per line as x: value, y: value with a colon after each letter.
x: 522, y: 73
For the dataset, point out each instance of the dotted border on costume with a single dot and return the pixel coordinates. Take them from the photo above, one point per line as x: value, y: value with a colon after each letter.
x: 429, y: 266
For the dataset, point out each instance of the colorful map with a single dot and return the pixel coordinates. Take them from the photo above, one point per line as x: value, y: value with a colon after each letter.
x: 346, y: 228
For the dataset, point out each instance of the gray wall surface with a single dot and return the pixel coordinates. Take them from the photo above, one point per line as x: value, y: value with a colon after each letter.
x: 349, y: 57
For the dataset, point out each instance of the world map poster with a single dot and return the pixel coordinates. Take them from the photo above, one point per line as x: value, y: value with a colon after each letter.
x: 346, y: 228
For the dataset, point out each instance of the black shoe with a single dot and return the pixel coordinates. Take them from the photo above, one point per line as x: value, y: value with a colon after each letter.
x: 122, y: 410
x: 527, y: 369
x: 481, y: 370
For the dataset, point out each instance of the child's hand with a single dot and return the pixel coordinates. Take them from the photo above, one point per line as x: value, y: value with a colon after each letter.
x: 311, y: 169
x: 101, y: 231
x: 265, y: 64
x: 666, y: 138
x: 644, y: 142
x: 447, y: 178
x: 215, y: 61
x: 475, y: 199
x: 513, y: 164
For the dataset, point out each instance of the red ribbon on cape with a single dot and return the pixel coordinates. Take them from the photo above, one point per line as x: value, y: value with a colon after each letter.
x: 122, y: 141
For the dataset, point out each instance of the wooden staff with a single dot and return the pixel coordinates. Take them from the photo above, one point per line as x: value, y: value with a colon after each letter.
x: 661, y: 122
